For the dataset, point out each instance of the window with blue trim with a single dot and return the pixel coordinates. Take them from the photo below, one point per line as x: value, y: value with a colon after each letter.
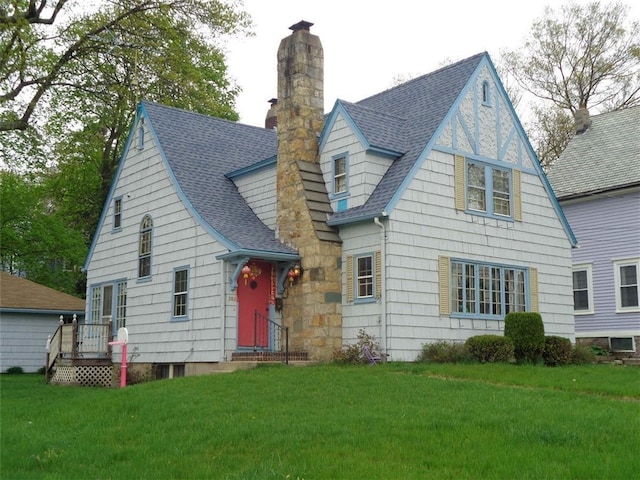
x: 339, y: 168
x: 488, y: 189
x: 485, y: 290
x: 117, y: 213
x: 180, y: 292
x: 144, y: 255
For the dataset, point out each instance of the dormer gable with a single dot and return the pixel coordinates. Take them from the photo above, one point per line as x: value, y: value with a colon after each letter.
x: 357, y: 146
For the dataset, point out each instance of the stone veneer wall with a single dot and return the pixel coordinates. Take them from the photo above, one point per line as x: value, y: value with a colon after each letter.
x: 312, y: 308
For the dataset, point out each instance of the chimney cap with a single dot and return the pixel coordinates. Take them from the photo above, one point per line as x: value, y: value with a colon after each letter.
x: 301, y: 25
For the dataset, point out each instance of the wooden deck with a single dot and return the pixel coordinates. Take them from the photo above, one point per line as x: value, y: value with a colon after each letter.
x: 80, y: 354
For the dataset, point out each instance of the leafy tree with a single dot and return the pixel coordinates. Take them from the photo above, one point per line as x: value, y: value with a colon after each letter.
x: 550, y: 131
x: 39, y: 57
x: 36, y: 242
x: 582, y: 56
x: 72, y: 73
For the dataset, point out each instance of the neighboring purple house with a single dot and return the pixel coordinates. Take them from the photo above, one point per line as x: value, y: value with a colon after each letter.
x: 597, y: 182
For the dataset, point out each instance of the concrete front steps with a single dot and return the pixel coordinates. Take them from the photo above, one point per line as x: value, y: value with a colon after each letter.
x: 247, y: 360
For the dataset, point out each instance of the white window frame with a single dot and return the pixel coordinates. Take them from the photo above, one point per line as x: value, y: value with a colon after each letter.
x: 340, y: 176
x: 489, y: 190
x: 121, y: 306
x: 486, y: 290
x: 585, y: 267
x: 617, y: 265
x: 109, y: 304
x: 367, y: 281
x: 145, y: 247
x: 181, y: 295
x: 117, y: 213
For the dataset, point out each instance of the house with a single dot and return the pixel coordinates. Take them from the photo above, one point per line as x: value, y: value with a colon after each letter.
x: 418, y: 214
x: 29, y: 313
x: 597, y: 181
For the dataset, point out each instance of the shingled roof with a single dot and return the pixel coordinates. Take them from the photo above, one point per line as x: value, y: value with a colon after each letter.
x: 405, y: 118
x: 605, y: 157
x: 200, y: 150
x: 21, y: 294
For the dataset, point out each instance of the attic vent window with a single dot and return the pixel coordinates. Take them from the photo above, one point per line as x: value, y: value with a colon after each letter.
x: 117, y: 213
x: 486, y: 94
x: 141, y: 134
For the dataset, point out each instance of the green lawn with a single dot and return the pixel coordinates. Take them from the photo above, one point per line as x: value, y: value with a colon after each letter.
x: 394, y: 421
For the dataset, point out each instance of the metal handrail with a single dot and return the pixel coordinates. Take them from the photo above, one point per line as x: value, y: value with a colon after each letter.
x: 264, y: 327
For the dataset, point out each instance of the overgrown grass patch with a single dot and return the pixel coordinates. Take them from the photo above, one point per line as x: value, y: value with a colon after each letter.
x: 385, y: 421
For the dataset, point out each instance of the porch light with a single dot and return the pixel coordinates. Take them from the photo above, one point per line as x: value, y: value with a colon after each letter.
x: 294, y: 274
x: 246, y: 270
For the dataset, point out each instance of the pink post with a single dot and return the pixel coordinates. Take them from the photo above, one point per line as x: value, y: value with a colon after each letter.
x: 123, y: 367
x: 123, y: 339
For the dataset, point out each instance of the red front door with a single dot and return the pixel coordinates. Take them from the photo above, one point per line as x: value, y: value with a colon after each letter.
x: 254, y: 293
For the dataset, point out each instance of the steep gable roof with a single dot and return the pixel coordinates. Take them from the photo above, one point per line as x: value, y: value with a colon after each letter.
x: 605, y: 157
x: 419, y: 108
x: 198, y: 151
x: 21, y: 294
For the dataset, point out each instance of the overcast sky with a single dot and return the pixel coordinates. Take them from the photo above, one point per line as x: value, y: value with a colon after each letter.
x: 369, y: 43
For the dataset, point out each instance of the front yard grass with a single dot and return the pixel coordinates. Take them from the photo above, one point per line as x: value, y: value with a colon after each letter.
x: 393, y: 421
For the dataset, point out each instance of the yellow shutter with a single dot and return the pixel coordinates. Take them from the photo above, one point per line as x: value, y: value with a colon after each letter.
x: 533, y: 290
x: 459, y: 165
x: 517, y: 196
x: 443, y: 285
x: 350, y: 278
x: 377, y: 258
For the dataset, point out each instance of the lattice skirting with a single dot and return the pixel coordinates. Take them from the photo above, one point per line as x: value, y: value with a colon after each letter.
x: 64, y: 374
x: 85, y: 375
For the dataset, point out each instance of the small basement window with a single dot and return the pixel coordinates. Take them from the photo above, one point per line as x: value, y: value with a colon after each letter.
x: 622, y: 344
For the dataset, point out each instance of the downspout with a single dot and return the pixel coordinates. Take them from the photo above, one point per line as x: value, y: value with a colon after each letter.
x: 223, y: 307
x: 383, y: 287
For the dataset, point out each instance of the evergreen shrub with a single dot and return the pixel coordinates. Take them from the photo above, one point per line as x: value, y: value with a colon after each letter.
x: 557, y: 351
x: 527, y: 332
x: 490, y: 348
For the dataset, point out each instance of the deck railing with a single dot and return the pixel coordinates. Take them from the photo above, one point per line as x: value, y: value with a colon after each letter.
x: 74, y: 340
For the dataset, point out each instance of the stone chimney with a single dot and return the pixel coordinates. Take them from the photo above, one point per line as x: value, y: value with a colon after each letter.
x: 312, y: 307
x: 582, y: 121
x: 271, y: 121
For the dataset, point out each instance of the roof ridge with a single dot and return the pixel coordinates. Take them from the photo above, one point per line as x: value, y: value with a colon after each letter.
x: 429, y: 74
x: 205, y: 115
